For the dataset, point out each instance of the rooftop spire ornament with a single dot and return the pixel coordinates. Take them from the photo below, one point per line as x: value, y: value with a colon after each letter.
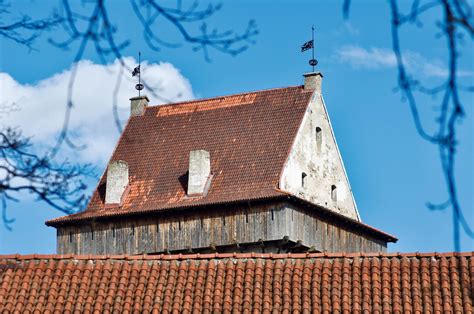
x: 310, y: 45
x: 136, y: 71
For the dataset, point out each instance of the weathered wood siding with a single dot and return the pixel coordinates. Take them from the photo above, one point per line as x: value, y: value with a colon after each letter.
x: 325, y: 236
x: 211, y: 228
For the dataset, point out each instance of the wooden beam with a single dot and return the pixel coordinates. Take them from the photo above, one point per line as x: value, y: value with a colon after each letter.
x: 283, y: 243
x: 296, y: 247
x: 237, y: 245
x: 261, y: 244
x: 212, y: 247
x: 312, y: 249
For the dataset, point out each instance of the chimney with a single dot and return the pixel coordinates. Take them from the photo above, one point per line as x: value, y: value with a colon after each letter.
x: 313, y: 80
x: 199, y: 171
x: 138, y: 105
x: 117, y: 182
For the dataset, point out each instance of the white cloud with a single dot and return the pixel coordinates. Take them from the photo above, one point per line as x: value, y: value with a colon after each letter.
x: 346, y: 28
x: 38, y: 109
x: 372, y: 59
x: 379, y: 58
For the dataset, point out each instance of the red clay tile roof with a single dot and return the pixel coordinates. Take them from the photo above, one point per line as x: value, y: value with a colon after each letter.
x: 372, y: 283
x: 248, y: 136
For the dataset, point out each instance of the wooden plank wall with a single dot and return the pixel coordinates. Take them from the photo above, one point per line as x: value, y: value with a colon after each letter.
x: 181, y: 231
x: 325, y: 236
x: 187, y: 229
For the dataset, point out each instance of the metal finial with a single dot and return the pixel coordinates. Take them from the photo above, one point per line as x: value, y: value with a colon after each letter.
x: 313, y: 62
x: 137, y: 71
x: 310, y: 45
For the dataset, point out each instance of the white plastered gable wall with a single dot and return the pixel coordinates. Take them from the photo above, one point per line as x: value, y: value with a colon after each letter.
x: 321, y: 164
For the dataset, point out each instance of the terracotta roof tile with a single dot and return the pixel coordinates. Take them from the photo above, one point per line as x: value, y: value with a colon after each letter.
x: 247, y: 135
x: 347, y: 283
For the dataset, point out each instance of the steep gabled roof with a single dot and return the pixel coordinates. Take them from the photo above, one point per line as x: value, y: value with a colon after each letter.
x: 332, y: 283
x: 248, y: 136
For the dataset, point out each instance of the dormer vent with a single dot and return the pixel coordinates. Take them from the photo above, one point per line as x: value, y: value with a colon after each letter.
x: 199, y: 171
x: 117, y: 182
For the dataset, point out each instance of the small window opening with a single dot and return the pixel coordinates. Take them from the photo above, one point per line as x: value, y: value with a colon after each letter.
x: 273, y: 215
x: 223, y: 220
x: 179, y: 224
x: 133, y: 230
x: 202, y: 223
x: 157, y: 227
x: 334, y: 193
x: 113, y: 232
x: 70, y: 236
x: 246, y: 217
x: 92, y: 234
x: 319, y: 139
x: 303, y: 179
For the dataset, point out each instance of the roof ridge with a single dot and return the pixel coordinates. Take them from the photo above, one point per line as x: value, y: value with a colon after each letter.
x: 219, y: 97
x: 210, y: 256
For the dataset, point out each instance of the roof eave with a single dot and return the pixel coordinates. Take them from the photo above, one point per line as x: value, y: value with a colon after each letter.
x: 66, y: 220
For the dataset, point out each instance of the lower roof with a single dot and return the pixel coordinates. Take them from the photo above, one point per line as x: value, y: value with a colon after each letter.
x: 383, y: 282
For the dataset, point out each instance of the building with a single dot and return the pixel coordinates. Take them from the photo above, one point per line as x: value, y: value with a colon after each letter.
x: 257, y: 180
x: 252, y: 172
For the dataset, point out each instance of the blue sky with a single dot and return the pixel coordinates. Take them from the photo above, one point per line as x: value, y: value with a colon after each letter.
x: 393, y: 172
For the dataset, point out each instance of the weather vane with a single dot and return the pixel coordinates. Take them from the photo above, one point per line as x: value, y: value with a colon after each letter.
x: 136, y: 71
x: 310, y: 45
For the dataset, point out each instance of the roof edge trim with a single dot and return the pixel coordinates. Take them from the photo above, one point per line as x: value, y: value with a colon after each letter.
x: 210, y: 256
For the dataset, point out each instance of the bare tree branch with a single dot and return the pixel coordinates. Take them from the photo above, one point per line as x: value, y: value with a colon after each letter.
x: 97, y: 30
x: 24, y: 30
x: 61, y: 185
x: 457, y: 18
x: 87, y: 25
